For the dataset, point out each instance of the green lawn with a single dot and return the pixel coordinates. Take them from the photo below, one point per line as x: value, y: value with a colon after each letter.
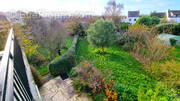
x: 176, y: 54
x: 124, y: 68
x: 43, y: 70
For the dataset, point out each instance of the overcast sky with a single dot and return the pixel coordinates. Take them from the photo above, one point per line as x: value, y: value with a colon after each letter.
x: 92, y: 6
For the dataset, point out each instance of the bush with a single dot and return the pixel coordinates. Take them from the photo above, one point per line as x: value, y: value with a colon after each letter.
x: 36, y: 59
x: 168, y: 72
x: 99, y: 97
x: 63, y: 64
x: 173, y: 41
x: 125, y: 38
x: 128, y: 46
x: 93, y: 78
x: 148, y: 21
x: 36, y: 76
x: 170, y: 28
x: 159, y: 93
x: 89, y: 79
x: 126, y: 41
x: 123, y: 27
x: 147, y: 48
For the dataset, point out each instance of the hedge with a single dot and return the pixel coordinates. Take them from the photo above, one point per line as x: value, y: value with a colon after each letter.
x: 64, y: 63
x: 168, y: 28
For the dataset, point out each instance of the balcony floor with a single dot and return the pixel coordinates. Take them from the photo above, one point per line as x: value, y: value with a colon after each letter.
x: 60, y: 90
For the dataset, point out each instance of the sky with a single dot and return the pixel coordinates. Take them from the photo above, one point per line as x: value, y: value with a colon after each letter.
x: 88, y: 6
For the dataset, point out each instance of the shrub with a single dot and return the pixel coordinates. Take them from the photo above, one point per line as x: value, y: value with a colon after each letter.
x: 148, y: 49
x: 89, y: 79
x: 159, y: 93
x: 148, y: 20
x: 173, y: 41
x: 36, y: 76
x: 125, y: 38
x: 126, y: 41
x: 168, y: 72
x: 36, y: 59
x: 101, y: 33
x: 128, y: 46
x: 63, y: 64
x: 123, y: 27
x: 170, y: 28
x: 153, y: 51
x: 93, y: 78
x: 99, y: 97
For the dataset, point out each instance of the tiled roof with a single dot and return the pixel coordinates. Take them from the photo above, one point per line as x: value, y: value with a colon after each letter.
x: 133, y: 13
x: 174, y: 13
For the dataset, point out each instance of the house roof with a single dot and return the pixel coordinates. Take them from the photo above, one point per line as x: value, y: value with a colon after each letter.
x: 133, y: 13
x: 159, y: 14
x: 174, y: 12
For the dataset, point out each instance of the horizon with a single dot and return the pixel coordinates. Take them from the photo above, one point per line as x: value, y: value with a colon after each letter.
x: 91, y: 7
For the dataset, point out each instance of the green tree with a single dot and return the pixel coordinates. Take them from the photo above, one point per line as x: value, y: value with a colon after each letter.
x: 148, y: 21
x: 101, y: 33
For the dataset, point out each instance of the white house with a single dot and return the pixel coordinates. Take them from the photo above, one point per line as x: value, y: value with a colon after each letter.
x: 133, y: 16
x: 173, y: 15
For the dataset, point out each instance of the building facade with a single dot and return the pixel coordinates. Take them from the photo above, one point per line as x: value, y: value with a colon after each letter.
x: 173, y: 15
x: 133, y: 16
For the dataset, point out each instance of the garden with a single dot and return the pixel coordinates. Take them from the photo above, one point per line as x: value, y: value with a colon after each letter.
x: 126, y: 66
x: 105, y: 58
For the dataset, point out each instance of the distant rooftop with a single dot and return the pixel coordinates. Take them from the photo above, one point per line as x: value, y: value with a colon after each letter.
x: 133, y: 13
x: 159, y: 14
x: 174, y: 13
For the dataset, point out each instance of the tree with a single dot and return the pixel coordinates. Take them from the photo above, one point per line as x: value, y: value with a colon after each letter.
x: 4, y: 31
x: 113, y: 10
x: 48, y: 35
x: 148, y: 21
x: 75, y: 27
x: 101, y: 33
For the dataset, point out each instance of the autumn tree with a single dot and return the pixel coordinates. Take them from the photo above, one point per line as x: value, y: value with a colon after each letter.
x: 101, y: 33
x: 48, y: 35
x: 75, y: 27
x: 4, y: 31
x: 113, y: 10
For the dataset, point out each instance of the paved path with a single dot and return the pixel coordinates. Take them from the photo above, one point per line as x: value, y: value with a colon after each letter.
x: 60, y: 90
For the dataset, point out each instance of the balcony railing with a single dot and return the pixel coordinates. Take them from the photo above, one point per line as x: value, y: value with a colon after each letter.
x: 16, y: 81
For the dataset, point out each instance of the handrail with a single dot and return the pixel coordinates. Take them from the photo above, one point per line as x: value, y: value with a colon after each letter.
x: 16, y: 83
x: 4, y: 65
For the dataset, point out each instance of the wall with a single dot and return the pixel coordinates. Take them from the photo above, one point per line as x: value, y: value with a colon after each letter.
x: 133, y: 21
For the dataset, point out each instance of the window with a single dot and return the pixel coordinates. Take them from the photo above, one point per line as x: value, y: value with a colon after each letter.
x: 129, y: 19
x: 134, y: 19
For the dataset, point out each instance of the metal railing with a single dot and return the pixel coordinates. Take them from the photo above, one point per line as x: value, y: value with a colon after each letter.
x: 16, y: 82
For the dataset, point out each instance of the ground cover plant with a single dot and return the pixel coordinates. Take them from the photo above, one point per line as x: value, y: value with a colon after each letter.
x: 129, y: 75
x: 126, y: 71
